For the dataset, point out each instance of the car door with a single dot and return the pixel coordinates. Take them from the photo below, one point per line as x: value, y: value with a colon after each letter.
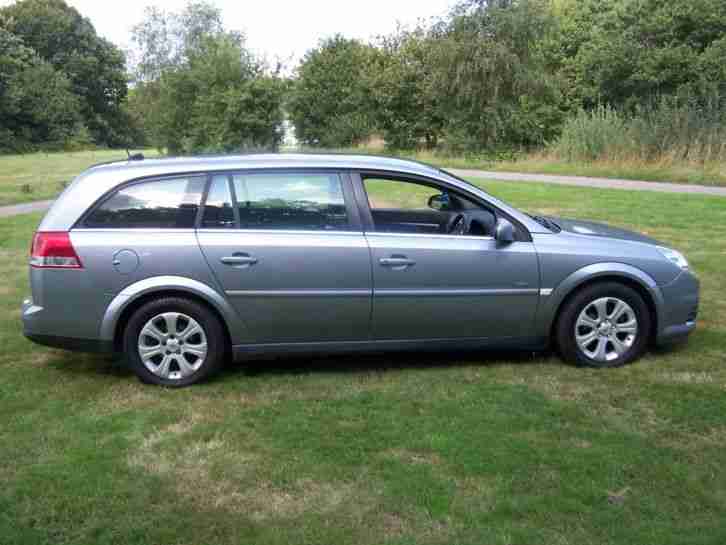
x: 431, y: 285
x: 288, y: 250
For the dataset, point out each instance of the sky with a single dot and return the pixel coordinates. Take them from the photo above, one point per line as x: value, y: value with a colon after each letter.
x: 276, y: 29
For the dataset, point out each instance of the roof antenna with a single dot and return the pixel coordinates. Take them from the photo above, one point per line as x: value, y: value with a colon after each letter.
x: 134, y: 156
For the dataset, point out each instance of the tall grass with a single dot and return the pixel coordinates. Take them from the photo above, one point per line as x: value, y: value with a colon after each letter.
x: 671, y: 130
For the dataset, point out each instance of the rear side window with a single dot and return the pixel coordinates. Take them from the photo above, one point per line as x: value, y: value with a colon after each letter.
x: 290, y: 201
x: 168, y: 203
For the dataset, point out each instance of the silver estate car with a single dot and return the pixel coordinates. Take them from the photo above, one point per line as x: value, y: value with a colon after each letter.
x: 181, y: 263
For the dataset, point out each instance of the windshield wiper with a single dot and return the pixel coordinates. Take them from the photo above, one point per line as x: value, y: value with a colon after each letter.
x: 546, y: 222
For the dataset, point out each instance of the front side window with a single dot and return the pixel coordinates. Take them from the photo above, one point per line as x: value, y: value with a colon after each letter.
x: 169, y: 203
x: 290, y: 201
x: 405, y: 206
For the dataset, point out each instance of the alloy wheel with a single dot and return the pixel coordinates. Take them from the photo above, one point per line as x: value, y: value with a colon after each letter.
x: 172, y: 345
x: 606, y: 329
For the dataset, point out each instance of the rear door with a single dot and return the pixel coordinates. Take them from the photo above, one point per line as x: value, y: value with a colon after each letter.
x: 289, y: 252
x: 428, y: 284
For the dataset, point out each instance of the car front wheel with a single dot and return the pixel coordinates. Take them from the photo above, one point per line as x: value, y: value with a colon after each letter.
x: 173, y: 341
x: 604, y: 325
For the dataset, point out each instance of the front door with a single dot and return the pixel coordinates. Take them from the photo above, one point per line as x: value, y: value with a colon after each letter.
x: 434, y: 279
x: 287, y: 251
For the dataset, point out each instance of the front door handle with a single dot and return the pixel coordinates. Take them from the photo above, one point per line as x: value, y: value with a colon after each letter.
x: 396, y: 262
x: 239, y: 260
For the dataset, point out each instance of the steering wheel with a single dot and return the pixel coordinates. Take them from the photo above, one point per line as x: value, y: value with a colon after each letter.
x: 457, y: 225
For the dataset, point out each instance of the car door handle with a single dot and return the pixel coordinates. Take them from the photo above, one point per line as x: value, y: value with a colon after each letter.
x: 239, y: 260
x: 396, y: 262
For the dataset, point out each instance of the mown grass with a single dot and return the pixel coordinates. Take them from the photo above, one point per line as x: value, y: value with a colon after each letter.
x: 419, y: 448
x: 664, y: 170
x: 39, y: 176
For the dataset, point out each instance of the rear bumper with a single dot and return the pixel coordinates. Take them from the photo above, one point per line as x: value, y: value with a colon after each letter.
x: 71, y: 343
x: 680, y: 308
x: 34, y: 329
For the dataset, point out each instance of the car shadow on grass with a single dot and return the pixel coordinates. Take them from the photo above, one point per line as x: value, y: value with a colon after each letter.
x: 386, y: 361
x: 114, y: 365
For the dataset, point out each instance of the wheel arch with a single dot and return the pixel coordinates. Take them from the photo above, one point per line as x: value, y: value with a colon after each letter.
x: 627, y: 275
x: 131, y: 298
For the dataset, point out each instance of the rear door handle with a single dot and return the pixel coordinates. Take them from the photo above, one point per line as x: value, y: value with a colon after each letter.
x: 239, y: 260
x: 396, y: 262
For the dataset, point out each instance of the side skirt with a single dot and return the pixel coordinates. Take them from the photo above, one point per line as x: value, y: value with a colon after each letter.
x: 246, y: 351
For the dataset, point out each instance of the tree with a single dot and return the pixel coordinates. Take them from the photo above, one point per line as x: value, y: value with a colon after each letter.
x: 163, y: 40
x: 407, y: 101
x: 331, y: 99
x: 37, y: 105
x: 627, y: 52
x: 498, y: 86
x: 95, y: 68
x: 199, y: 89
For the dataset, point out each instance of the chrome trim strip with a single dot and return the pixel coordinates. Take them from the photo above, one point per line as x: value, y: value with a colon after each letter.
x: 425, y: 235
x: 452, y: 292
x: 133, y: 229
x: 300, y: 293
x: 279, y: 231
x: 545, y: 292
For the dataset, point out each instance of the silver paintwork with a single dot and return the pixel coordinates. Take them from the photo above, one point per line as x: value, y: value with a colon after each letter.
x: 606, y: 328
x: 165, y: 284
x: 175, y: 351
x: 297, y: 290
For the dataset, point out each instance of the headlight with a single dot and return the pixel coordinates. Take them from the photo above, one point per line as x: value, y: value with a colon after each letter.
x: 674, y: 256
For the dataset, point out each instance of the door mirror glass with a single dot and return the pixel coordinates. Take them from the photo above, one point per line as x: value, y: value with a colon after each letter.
x: 504, y: 233
x: 439, y: 202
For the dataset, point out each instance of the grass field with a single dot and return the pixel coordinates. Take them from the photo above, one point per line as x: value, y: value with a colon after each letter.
x: 39, y: 176
x: 446, y: 448
x: 713, y: 173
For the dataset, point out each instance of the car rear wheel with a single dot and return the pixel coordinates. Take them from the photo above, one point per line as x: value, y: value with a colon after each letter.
x: 173, y: 341
x: 604, y: 325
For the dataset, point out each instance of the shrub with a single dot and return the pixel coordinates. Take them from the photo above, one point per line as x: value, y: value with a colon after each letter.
x: 688, y: 128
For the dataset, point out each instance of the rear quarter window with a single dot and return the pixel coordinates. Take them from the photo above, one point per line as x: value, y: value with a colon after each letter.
x: 169, y: 204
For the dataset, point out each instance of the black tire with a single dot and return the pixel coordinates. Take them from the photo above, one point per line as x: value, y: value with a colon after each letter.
x: 565, y: 326
x: 207, y: 320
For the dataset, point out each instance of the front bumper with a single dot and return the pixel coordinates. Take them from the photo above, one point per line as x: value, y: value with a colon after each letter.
x: 680, y: 308
x: 34, y: 330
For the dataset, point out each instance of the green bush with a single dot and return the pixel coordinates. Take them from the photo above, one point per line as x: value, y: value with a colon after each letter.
x: 685, y: 128
x: 592, y: 135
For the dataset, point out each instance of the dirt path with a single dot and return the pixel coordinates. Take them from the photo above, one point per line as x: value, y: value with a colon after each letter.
x: 25, y: 208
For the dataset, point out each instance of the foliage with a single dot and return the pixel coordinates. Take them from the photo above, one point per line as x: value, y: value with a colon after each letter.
x: 497, y: 85
x: 503, y: 74
x: 199, y: 89
x: 490, y: 77
x: 407, y: 107
x: 681, y: 128
x: 94, y: 68
x: 625, y: 52
x: 163, y: 40
x: 330, y: 101
x: 37, y: 105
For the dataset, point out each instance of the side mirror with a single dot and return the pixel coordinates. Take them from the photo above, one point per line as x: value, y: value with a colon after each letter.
x: 504, y: 232
x: 439, y: 202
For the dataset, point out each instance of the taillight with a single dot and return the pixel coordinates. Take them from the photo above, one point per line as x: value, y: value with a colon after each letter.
x: 53, y: 250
